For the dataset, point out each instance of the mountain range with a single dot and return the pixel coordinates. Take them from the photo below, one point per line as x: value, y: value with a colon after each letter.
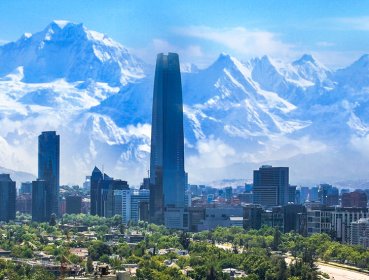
x: 238, y: 114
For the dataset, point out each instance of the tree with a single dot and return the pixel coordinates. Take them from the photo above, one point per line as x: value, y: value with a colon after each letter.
x: 184, y: 240
x: 98, y: 249
x: 212, y: 274
x: 52, y: 221
x: 89, y: 265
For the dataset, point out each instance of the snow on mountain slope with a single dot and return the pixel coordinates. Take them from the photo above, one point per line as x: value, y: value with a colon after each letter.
x: 237, y: 114
x: 70, y: 51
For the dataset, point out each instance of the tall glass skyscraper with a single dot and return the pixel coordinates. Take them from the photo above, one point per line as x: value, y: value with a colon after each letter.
x: 49, y: 165
x: 7, y: 198
x: 167, y: 175
x: 41, y: 202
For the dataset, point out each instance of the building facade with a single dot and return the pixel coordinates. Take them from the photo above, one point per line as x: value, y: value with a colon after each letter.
x: 49, y: 165
x: 138, y: 198
x: 73, y: 204
x: 271, y: 186
x: 167, y: 175
x: 360, y: 232
x: 354, y: 199
x: 7, y: 198
x: 41, y: 205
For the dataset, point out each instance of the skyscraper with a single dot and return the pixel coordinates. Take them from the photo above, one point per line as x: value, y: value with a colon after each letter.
x: 271, y: 185
x: 95, y: 185
x: 48, y: 165
x: 7, y: 198
x: 41, y: 203
x: 167, y: 175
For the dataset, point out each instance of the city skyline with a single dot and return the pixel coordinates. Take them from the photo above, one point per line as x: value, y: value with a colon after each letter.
x: 241, y: 111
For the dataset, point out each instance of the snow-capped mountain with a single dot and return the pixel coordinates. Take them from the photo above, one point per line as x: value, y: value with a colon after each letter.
x: 238, y: 114
x: 72, y: 52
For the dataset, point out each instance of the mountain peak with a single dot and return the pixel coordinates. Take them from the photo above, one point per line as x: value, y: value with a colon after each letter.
x: 60, y: 23
x: 305, y: 58
x: 70, y: 51
x: 225, y: 60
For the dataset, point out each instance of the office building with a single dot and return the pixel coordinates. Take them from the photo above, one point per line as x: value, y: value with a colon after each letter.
x: 8, y: 194
x: 252, y: 216
x: 25, y: 188
x: 24, y: 203
x: 271, y: 186
x: 354, y: 199
x: 228, y: 193
x: 73, y: 204
x: 292, y: 194
x: 304, y: 194
x: 109, y: 198
x: 143, y: 211
x: 167, y: 175
x: 359, y: 234
x: 139, y: 197
x: 294, y: 217
x: 328, y: 195
x: 41, y: 204
x: 95, y: 189
x: 122, y: 203
x: 49, y: 165
x: 313, y: 194
x: 220, y: 217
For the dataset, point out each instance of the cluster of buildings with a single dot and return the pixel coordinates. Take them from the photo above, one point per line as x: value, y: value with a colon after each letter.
x: 167, y: 198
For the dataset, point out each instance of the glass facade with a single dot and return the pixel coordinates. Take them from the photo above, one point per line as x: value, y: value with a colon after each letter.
x: 167, y: 175
x: 7, y: 198
x: 41, y: 205
x: 271, y: 185
x: 49, y: 165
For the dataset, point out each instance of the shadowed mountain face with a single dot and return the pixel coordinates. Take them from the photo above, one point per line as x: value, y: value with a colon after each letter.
x: 237, y: 115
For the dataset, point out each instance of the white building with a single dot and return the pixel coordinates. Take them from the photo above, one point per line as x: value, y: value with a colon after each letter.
x: 360, y: 232
x: 122, y: 204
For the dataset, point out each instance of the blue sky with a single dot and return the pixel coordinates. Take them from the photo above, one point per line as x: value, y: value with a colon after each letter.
x: 336, y: 32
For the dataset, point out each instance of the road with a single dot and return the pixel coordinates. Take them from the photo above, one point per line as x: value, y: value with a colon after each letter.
x: 338, y: 273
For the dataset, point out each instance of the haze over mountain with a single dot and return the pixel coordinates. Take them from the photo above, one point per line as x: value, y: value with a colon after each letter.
x: 238, y: 114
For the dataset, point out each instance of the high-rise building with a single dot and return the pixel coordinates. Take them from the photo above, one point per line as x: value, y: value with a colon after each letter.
x: 49, y: 165
x: 7, y: 198
x: 328, y: 195
x: 106, y: 199
x: 95, y: 185
x: 138, y: 197
x: 354, y: 199
x: 292, y: 194
x: 26, y: 187
x: 41, y: 205
x: 304, y: 194
x: 122, y: 203
x: 271, y: 186
x: 144, y: 211
x: 24, y: 203
x: 228, y: 193
x: 252, y: 216
x: 73, y: 204
x: 167, y: 175
x: 109, y: 200
x: 359, y: 234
